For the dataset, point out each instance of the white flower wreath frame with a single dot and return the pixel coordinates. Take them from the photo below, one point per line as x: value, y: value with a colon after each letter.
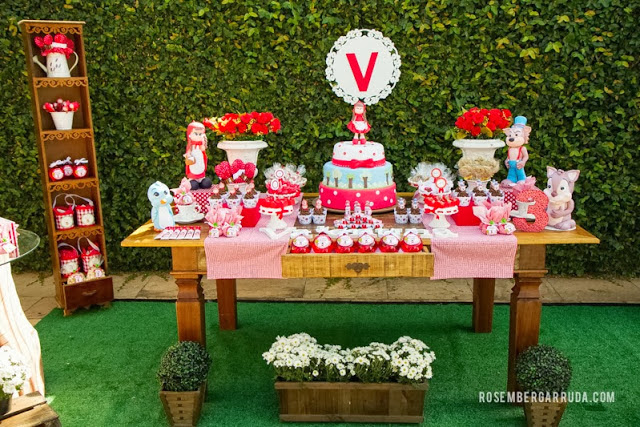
x: 395, y: 74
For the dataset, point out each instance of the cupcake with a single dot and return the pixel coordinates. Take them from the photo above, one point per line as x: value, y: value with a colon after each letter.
x: 462, y: 194
x: 400, y: 212
x: 495, y: 193
x: 479, y: 196
x: 250, y: 197
x: 304, y: 216
x: 415, y: 214
x: 234, y: 198
x: 319, y: 213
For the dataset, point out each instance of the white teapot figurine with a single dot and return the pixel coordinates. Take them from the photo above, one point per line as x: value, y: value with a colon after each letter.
x: 56, y: 49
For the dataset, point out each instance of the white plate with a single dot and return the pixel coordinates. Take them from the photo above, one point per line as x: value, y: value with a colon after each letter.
x: 188, y: 220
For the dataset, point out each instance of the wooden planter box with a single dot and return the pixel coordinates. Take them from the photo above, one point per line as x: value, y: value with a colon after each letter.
x: 544, y: 414
x: 183, y: 407
x: 351, y: 402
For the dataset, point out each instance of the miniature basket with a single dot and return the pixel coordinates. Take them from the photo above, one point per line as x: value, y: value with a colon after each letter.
x: 63, y: 216
x: 69, y: 259
x: 91, y: 255
x: 85, y: 213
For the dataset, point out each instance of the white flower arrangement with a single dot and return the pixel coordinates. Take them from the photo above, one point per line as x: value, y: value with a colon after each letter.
x: 299, y: 357
x: 13, y: 372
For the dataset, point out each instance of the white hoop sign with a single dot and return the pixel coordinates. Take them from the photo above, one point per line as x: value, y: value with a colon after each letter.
x: 363, y: 65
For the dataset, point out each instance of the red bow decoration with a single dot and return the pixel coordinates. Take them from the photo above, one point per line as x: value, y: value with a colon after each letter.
x: 354, y: 163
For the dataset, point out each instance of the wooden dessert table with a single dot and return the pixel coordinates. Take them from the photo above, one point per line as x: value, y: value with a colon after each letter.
x: 189, y: 265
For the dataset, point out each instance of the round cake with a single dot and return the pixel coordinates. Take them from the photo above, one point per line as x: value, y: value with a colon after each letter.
x: 358, y: 173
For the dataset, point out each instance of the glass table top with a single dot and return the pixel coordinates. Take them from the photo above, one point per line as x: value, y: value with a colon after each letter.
x: 27, y: 242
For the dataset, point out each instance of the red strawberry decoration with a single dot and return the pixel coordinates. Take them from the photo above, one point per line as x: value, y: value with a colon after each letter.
x: 250, y: 170
x: 237, y: 165
x: 223, y: 170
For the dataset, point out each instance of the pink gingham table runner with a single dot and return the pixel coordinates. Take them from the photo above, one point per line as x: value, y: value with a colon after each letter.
x: 472, y: 254
x: 251, y: 255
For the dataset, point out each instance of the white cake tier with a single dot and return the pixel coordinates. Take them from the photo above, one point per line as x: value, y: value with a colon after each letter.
x: 350, y: 155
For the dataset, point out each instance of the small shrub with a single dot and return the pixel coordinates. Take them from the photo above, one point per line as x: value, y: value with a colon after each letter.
x: 543, y: 369
x: 184, y: 367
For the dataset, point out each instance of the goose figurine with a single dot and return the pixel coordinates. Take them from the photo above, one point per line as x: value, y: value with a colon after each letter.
x: 161, y: 211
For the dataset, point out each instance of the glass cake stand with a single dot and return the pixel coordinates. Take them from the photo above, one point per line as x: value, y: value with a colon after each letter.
x: 15, y: 329
x: 27, y: 242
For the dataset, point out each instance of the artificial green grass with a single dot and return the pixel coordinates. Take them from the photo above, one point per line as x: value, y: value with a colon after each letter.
x: 100, y: 365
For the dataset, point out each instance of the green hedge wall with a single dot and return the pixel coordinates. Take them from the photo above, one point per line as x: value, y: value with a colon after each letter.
x: 571, y: 66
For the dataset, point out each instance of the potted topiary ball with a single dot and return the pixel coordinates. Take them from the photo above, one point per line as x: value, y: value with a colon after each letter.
x: 183, y: 379
x: 545, y: 373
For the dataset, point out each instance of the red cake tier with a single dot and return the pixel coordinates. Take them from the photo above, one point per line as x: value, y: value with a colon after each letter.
x: 336, y: 198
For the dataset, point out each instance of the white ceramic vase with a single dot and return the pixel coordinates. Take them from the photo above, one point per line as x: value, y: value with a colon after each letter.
x: 62, y: 120
x: 478, y: 147
x: 247, y: 151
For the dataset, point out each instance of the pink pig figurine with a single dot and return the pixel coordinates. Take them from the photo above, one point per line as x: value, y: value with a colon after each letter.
x: 560, y: 193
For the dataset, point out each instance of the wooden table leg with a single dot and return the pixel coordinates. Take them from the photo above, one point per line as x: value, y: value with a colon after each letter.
x: 526, y: 306
x: 483, y: 294
x: 190, y: 308
x: 227, y: 307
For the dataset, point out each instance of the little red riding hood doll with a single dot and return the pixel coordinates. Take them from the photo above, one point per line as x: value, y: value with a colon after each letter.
x: 358, y: 124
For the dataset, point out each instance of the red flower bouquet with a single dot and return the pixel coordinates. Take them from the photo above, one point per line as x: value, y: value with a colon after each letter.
x: 55, y: 44
x: 482, y: 123
x: 243, y: 125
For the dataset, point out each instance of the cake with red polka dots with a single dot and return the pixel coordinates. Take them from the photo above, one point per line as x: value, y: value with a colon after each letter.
x: 358, y: 173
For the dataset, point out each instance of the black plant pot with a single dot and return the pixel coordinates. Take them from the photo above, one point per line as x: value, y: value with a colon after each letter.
x: 4, y: 405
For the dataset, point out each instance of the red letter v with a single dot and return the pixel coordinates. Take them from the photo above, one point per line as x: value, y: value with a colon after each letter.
x: 362, y: 81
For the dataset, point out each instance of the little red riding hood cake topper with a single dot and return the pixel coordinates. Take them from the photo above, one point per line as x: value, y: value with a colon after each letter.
x: 196, y: 156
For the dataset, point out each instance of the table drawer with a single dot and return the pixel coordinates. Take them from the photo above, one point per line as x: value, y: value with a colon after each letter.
x: 84, y: 294
x: 358, y: 265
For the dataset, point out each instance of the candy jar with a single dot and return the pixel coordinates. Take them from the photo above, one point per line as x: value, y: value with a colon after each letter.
x: 366, y: 243
x: 389, y: 243
x: 56, y: 172
x: 322, y: 244
x: 345, y: 244
x: 300, y: 245
x: 67, y: 167
x: 411, y: 242
x: 80, y: 170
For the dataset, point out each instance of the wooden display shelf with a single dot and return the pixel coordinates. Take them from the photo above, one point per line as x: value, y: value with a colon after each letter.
x: 59, y: 135
x: 59, y: 144
x: 46, y: 82
x: 77, y: 232
x: 73, y: 184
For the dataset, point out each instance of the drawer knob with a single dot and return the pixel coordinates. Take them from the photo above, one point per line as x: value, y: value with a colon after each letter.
x: 357, y: 266
x: 89, y: 293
